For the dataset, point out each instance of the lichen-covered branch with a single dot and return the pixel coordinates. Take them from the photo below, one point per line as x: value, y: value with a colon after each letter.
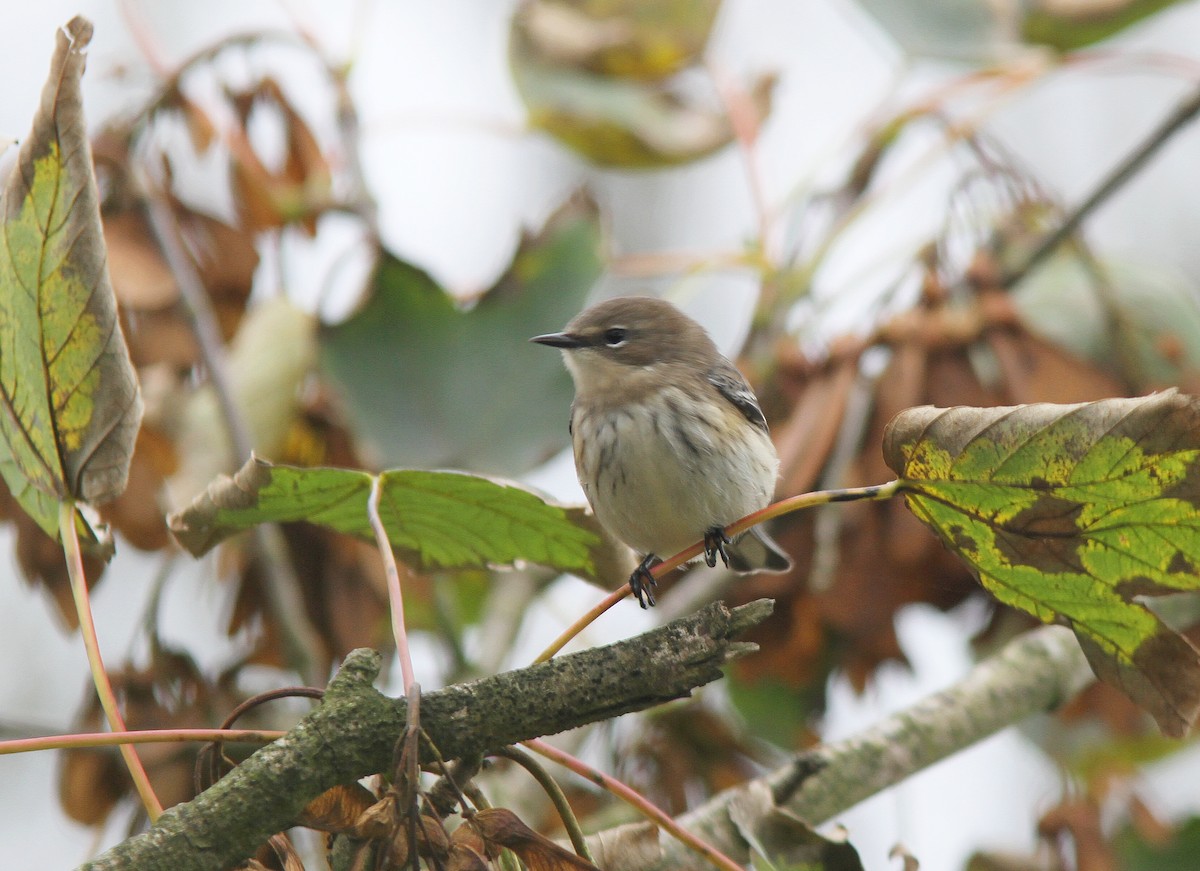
x: 353, y: 732
x: 1034, y: 673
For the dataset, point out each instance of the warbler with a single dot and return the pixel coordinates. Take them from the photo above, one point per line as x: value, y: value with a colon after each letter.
x: 670, y: 443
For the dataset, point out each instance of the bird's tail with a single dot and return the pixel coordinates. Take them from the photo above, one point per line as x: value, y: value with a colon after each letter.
x: 757, y: 552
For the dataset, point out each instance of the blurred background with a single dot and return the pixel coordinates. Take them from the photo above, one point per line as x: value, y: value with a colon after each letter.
x: 380, y: 201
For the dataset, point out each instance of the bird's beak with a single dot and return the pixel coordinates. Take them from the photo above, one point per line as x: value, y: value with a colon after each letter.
x: 559, y: 340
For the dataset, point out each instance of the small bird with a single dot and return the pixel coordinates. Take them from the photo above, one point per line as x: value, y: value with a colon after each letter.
x: 670, y: 443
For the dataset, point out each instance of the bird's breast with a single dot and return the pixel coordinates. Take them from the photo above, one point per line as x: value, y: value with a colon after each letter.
x: 661, y: 471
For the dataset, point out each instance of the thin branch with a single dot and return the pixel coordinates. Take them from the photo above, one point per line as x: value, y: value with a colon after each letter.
x: 69, y: 533
x: 137, y: 736
x: 556, y: 795
x: 873, y: 493
x: 1182, y: 115
x: 712, y: 855
x: 584, y: 621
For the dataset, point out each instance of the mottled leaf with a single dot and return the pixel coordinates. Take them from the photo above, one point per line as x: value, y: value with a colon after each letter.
x: 435, y: 520
x: 434, y: 385
x: 627, y: 38
x: 601, y: 77
x: 69, y: 403
x: 1077, y: 514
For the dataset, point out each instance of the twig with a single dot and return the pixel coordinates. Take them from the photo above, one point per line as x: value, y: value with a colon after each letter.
x: 137, y: 736
x: 554, y: 792
x: 875, y: 493
x: 643, y: 806
x: 91, y: 642
x: 1182, y: 115
x: 585, y: 621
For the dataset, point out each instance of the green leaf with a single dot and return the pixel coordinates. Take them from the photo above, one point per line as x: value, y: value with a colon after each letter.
x: 431, y: 384
x: 69, y: 403
x: 1077, y: 514
x: 1070, y: 27
x: 773, y: 710
x: 982, y: 31
x: 435, y: 520
x: 1138, y: 854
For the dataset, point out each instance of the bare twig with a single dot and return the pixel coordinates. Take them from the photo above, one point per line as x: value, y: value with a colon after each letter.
x: 1182, y: 115
x: 69, y: 533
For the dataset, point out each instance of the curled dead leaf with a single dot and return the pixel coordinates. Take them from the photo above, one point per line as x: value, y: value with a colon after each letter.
x: 502, y: 827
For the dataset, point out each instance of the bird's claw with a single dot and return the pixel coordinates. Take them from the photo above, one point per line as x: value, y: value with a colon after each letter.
x: 714, y: 543
x: 642, y: 582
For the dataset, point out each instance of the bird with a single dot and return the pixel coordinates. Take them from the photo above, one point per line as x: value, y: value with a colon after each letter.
x: 670, y: 443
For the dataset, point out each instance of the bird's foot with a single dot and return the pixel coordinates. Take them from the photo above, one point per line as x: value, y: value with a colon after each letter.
x: 642, y: 583
x: 715, y: 540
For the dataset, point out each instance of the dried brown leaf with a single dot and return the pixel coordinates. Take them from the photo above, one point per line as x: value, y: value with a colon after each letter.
x: 338, y: 810
x: 502, y: 827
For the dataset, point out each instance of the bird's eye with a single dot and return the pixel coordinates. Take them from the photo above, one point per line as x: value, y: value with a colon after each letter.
x: 614, y: 337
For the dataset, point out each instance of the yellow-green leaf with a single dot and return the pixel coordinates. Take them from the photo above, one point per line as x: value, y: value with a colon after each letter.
x: 69, y: 403
x: 435, y: 520
x: 634, y: 39
x: 1077, y: 514
x: 1072, y: 26
x: 602, y: 78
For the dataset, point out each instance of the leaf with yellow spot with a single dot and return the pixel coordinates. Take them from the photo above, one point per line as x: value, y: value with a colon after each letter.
x: 1078, y: 514
x: 69, y: 403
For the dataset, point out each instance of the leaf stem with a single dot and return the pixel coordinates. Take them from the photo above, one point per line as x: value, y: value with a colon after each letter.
x: 872, y: 493
x: 91, y: 643
x: 395, y: 594
x: 630, y: 796
x: 137, y: 736
x: 557, y: 797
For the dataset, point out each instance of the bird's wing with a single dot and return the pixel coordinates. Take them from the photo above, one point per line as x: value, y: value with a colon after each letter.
x: 729, y: 381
